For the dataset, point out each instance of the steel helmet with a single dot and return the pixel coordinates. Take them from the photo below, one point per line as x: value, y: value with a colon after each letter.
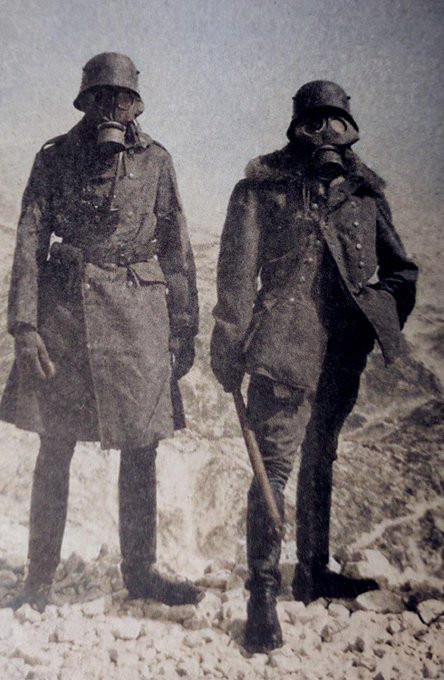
x: 108, y: 68
x: 321, y: 94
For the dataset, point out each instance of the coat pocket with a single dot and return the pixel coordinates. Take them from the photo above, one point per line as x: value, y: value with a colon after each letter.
x: 149, y: 272
x: 379, y: 306
x: 288, y: 341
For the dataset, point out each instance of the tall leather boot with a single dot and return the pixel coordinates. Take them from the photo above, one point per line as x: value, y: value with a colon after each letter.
x: 137, y: 531
x: 263, y: 631
x: 49, y: 504
x: 312, y: 577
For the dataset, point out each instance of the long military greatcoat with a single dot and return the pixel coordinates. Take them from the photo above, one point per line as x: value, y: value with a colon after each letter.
x: 106, y: 321
x: 322, y: 259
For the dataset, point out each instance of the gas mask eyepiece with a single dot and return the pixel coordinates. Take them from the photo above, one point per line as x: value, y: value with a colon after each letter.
x: 323, y: 126
x: 325, y: 135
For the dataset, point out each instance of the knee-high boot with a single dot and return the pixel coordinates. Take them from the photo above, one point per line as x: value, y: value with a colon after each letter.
x: 312, y: 577
x: 49, y: 504
x: 263, y: 632
x: 137, y: 530
x: 137, y: 510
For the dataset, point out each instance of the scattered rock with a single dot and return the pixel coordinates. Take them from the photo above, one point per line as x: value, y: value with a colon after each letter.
x: 181, y: 613
x: 373, y: 564
x: 383, y: 601
x: 27, y: 613
x: 126, y: 628
x: 218, y: 580
x: 7, y: 578
x: 31, y: 655
x: 430, y: 610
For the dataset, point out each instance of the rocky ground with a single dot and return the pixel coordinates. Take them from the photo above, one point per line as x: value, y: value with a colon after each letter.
x: 92, y: 631
x: 388, y: 523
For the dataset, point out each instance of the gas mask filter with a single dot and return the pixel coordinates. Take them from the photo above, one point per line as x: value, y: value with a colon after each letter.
x: 111, y: 109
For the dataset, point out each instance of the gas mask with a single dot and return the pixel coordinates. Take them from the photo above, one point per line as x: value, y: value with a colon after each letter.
x: 325, y: 135
x: 112, y: 110
x: 110, y: 99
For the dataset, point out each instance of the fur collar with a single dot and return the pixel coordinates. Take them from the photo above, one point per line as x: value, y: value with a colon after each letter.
x: 283, y: 165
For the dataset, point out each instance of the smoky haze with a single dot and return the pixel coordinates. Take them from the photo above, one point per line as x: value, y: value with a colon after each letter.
x: 217, y: 79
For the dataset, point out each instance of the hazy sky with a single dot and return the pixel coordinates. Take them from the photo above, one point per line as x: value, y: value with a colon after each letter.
x: 217, y: 78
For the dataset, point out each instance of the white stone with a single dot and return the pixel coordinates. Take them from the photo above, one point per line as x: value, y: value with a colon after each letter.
x: 412, y: 623
x: 6, y: 620
x: 338, y: 611
x: 180, y: 613
x: 218, y: 580
x: 188, y: 668
x: 95, y: 607
x: 126, y: 628
x: 285, y: 664
x: 210, y: 606
x: 31, y: 655
x: 430, y: 610
x: 27, y: 613
x: 291, y: 611
x: 70, y: 630
x: 383, y: 601
x: 394, y: 626
x: 376, y: 565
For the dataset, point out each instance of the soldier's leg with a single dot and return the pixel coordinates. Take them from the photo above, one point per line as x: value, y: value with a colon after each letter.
x: 49, y: 504
x: 335, y: 397
x: 275, y: 422
x: 137, y: 530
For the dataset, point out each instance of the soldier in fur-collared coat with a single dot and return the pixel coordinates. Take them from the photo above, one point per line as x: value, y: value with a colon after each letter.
x: 104, y: 319
x: 311, y: 221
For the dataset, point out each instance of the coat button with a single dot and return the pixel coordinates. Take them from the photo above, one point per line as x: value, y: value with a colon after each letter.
x: 317, y: 243
x: 361, y: 263
x: 353, y: 204
x: 358, y: 246
x: 131, y: 175
x: 302, y: 279
x: 356, y: 223
x: 309, y: 260
x: 130, y: 284
x: 291, y: 299
x: 87, y: 286
x: 130, y: 213
x: 315, y: 206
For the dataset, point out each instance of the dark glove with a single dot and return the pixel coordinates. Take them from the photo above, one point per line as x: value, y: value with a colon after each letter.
x: 182, y: 350
x: 31, y: 355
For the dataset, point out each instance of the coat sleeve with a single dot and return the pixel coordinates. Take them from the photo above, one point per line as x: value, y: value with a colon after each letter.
x: 397, y: 272
x: 176, y: 255
x: 31, y: 249
x: 237, y: 272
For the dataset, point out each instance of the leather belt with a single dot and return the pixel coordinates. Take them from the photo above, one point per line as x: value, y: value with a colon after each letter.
x: 123, y: 256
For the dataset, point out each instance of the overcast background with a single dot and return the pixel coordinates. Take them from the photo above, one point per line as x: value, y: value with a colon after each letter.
x: 217, y: 79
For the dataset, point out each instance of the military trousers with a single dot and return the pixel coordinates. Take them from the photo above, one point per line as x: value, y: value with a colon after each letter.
x: 49, y: 504
x: 281, y: 425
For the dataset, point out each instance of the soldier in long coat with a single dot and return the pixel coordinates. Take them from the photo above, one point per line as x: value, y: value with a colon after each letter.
x: 103, y: 309
x: 311, y: 221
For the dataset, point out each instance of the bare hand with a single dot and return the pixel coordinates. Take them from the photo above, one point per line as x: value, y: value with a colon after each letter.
x: 32, y: 355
